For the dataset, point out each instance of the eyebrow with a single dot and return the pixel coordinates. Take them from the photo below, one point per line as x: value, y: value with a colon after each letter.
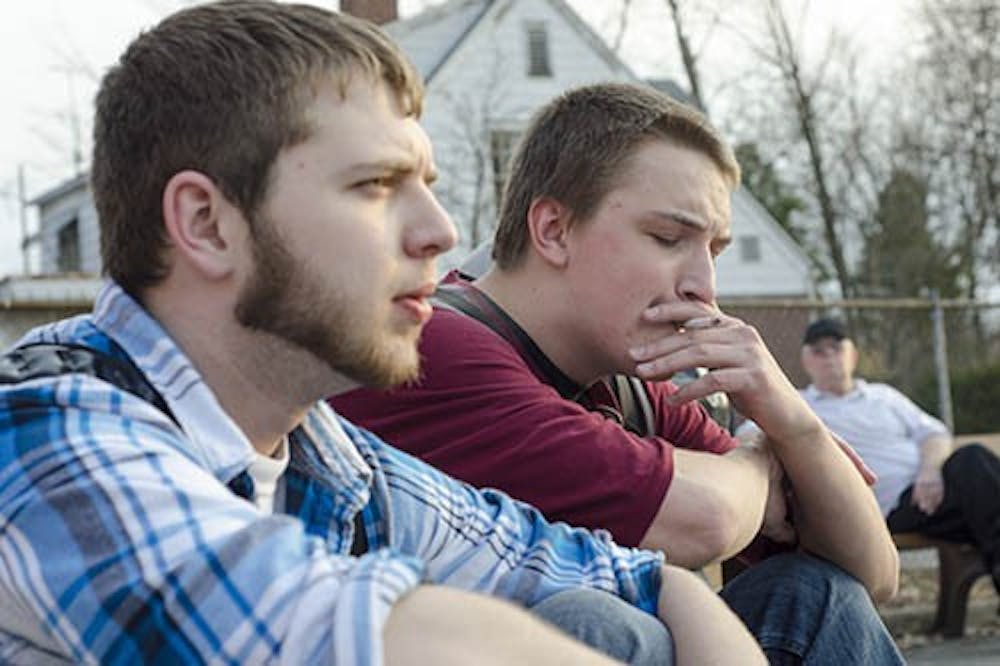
x: 690, y: 221
x: 680, y: 217
x: 401, y: 167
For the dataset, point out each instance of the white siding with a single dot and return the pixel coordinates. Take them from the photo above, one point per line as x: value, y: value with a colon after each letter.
x: 76, y: 203
x: 782, y: 269
x: 484, y: 86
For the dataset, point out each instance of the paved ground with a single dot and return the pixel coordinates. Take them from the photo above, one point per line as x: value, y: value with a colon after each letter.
x: 964, y: 652
x: 909, y: 615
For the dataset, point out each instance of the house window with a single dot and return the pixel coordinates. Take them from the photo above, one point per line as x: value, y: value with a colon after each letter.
x: 750, y: 249
x: 68, y: 253
x: 538, y: 51
x: 502, y: 144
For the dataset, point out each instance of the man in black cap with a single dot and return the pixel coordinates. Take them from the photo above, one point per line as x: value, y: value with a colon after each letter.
x: 923, y: 486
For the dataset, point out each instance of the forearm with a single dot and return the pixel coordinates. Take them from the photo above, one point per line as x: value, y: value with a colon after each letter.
x: 934, y: 450
x: 704, y: 630
x: 438, y: 625
x: 713, y: 507
x: 835, y: 512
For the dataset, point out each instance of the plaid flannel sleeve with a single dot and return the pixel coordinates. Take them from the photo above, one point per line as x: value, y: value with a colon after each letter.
x: 482, y: 540
x: 117, y: 548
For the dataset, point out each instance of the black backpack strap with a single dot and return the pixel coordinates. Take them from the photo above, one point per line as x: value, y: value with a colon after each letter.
x: 36, y: 361
x: 634, y: 410
x: 634, y: 403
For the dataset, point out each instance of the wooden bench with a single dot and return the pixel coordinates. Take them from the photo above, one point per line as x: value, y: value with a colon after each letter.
x: 959, y: 565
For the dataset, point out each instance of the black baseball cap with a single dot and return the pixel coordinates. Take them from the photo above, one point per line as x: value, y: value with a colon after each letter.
x: 824, y: 328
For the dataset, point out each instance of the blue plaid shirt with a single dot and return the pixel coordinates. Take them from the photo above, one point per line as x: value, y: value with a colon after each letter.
x: 122, y: 542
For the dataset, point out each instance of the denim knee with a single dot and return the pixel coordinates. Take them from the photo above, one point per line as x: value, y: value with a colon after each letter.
x: 609, y: 625
x: 810, y: 608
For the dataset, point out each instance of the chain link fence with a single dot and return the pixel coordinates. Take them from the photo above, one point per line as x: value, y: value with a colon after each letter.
x: 945, y: 354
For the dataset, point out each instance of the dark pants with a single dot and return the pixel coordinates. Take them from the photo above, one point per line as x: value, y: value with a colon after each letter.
x: 970, y: 511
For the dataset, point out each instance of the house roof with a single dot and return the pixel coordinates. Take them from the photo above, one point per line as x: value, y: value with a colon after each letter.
x: 432, y: 36
x: 76, y: 182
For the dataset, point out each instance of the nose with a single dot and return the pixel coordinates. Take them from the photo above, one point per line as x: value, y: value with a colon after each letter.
x: 697, y: 279
x: 429, y: 231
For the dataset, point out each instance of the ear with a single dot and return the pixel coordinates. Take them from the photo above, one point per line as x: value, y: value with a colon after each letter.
x: 852, y: 353
x: 548, y: 227
x: 200, y: 224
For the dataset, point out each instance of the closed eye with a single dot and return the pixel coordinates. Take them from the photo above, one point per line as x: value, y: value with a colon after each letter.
x: 379, y: 184
x: 665, y: 241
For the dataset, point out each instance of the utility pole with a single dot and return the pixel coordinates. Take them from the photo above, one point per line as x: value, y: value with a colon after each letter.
x: 74, y: 126
x: 941, y: 362
x: 22, y: 204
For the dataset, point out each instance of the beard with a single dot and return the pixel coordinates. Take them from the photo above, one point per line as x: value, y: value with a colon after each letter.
x: 283, y: 298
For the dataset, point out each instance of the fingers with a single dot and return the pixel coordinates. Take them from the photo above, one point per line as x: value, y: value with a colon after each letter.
x: 701, y: 355
x: 699, y: 323
x: 712, y: 341
x: 692, y: 330
x: 866, y: 472
x: 675, y: 313
x: 713, y: 381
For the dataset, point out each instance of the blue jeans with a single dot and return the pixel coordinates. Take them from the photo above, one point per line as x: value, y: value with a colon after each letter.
x: 804, y: 610
x: 609, y: 625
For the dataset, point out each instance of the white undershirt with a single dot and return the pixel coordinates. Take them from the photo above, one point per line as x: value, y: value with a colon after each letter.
x: 265, y: 472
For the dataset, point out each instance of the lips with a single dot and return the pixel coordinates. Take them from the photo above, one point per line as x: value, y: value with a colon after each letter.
x: 415, y: 304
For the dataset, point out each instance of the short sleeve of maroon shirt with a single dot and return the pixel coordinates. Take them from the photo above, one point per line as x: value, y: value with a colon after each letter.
x: 480, y: 414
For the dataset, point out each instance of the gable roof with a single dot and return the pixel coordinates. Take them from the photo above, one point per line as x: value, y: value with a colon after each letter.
x: 432, y: 36
x: 77, y: 182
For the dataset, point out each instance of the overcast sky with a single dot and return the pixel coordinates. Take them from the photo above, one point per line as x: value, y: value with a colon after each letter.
x: 52, y: 53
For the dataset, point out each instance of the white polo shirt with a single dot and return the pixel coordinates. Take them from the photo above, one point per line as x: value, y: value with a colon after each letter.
x: 886, y: 429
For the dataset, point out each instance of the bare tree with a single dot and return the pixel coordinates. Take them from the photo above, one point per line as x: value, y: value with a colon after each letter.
x: 688, y: 57
x: 958, y: 75
x: 472, y: 147
x: 822, y: 124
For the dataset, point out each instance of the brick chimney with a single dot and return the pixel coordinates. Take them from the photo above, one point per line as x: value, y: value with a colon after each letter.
x: 376, y: 11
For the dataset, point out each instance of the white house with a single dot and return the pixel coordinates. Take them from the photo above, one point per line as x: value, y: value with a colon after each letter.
x: 67, y: 249
x: 68, y: 236
x: 489, y: 64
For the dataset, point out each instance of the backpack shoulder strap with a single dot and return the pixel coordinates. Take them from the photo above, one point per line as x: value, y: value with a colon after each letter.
x: 635, y: 407
x: 36, y: 361
x: 634, y: 403
x: 477, y: 305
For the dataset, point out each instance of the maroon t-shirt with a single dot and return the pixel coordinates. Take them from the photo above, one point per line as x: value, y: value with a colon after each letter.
x: 482, y: 415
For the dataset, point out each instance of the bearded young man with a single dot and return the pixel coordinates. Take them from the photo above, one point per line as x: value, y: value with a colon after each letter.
x: 617, y: 203
x: 172, y: 490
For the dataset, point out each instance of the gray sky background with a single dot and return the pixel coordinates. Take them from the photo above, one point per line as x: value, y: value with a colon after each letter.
x: 53, y: 52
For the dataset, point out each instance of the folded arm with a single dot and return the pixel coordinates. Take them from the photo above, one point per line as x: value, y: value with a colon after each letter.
x: 836, y: 515
x: 713, y: 508
x: 440, y: 625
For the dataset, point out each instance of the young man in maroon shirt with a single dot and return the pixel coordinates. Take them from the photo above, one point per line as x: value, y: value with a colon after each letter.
x: 617, y: 205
